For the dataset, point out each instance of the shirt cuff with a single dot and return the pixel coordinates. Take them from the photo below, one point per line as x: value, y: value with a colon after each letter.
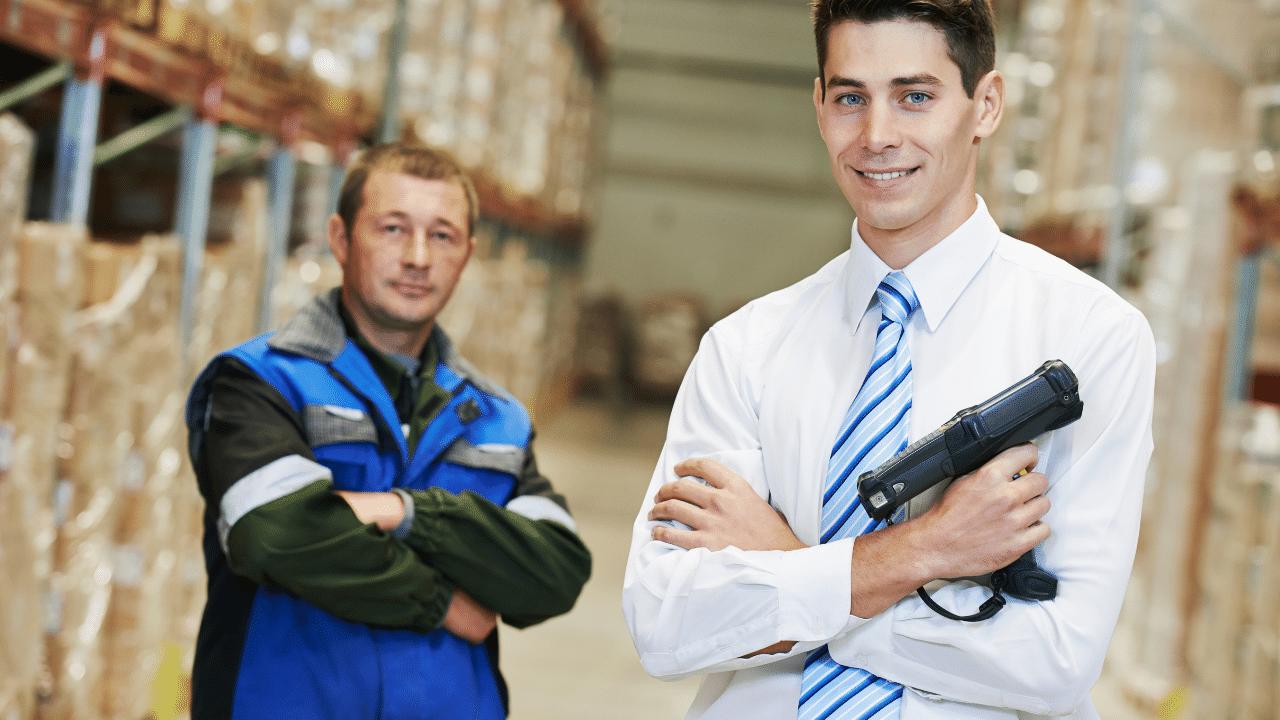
x: 401, y: 531
x: 813, y: 591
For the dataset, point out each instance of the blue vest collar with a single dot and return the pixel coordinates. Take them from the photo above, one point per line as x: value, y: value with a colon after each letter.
x: 316, y: 332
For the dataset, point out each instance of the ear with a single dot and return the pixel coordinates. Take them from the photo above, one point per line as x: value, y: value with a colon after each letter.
x: 817, y: 104
x: 989, y: 95
x: 339, y: 243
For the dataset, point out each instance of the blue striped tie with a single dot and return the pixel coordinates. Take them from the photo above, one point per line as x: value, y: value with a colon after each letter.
x: 874, y: 430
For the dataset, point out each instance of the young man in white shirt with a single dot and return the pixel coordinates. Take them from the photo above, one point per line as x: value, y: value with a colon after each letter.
x: 749, y: 591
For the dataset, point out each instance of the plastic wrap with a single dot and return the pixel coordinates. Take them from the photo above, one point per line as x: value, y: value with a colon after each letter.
x: 227, y: 304
x: 668, y: 329
x: 498, y: 318
x: 48, y: 293
x: 20, y: 605
x: 1233, y: 650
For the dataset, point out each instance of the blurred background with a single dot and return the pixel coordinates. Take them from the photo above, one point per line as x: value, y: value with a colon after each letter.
x: 645, y: 167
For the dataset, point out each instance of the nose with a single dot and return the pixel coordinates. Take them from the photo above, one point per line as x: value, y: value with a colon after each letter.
x: 417, y: 251
x: 880, y: 132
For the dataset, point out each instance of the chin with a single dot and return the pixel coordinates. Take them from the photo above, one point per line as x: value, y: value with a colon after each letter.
x: 885, y: 218
x: 408, y: 319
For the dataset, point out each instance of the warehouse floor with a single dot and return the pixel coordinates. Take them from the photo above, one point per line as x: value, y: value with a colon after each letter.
x: 583, y: 665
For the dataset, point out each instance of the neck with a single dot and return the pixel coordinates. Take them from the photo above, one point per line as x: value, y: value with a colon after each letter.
x: 387, y: 339
x: 900, y: 247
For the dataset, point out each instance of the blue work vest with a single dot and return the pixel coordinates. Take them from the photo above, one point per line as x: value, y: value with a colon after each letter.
x: 299, y: 661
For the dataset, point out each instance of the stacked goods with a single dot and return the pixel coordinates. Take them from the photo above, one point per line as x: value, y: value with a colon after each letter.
x: 302, y: 280
x: 1185, y: 296
x: 157, y: 514
x: 571, y: 171
x: 49, y: 290
x: 668, y: 330
x: 555, y: 390
x: 497, y: 319
x: 1233, y: 653
x: 227, y: 305
x: 603, y: 344
x: 522, y: 151
x: 477, y: 94
x: 432, y: 68
x: 20, y: 603
x: 92, y: 453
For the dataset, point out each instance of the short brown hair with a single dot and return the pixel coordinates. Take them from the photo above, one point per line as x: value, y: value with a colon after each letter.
x: 968, y: 25
x: 411, y: 159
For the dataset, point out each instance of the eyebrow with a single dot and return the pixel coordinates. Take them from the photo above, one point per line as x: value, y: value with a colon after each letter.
x: 921, y: 79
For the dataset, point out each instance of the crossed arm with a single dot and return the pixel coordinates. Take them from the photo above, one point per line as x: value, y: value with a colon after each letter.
x: 984, y: 522
x: 464, y: 561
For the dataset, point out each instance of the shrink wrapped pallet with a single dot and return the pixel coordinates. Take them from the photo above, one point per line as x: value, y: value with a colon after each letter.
x: 95, y: 441
x: 556, y: 377
x: 497, y: 318
x: 1185, y: 299
x: 20, y: 603
x: 479, y: 91
x: 603, y: 344
x: 1233, y: 653
x: 668, y: 330
x: 136, y: 361
x: 303, y: 278
x: 227, y: 304
x: 48, y: 293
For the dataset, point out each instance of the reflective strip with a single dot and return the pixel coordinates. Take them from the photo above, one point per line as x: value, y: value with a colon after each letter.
x: 269, y: 482
x: 536, y: 507
x: 330, y: 424
x: 489, y: 456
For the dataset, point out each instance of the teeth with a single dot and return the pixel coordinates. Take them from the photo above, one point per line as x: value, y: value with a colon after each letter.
x: 886, y: 176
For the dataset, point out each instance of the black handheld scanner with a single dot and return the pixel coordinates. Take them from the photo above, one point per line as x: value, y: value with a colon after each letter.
x: 1046, y: 400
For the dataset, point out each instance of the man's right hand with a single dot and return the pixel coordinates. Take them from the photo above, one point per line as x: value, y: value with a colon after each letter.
x: 468, y: 619
x: 988, y: 519
x: 984, y: 522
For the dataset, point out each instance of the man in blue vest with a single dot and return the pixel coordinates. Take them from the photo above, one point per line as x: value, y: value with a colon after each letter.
x: 373, y: 503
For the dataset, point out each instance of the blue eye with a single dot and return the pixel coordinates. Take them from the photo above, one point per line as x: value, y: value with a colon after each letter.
x: 917, y: 97
x: 849, y: 99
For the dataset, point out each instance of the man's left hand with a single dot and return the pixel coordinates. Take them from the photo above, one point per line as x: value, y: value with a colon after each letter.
x: 725, y: 511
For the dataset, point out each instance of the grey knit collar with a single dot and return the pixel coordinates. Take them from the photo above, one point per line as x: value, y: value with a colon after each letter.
x: 316, y: 332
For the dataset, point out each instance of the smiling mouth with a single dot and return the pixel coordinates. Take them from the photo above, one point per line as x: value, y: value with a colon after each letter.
x: 886, y: 175
x: 411, y: 288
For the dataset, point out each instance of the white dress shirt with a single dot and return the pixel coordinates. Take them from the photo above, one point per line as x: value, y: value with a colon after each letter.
x: 765, y: 396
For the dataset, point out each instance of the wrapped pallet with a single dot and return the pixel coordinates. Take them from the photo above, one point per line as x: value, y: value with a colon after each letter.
x: 497, y: 318
x: 48, y: 294
x: 668, y: 330
x: 96, y: 440
x: 227, y: 305
x: 153, y: 521
x: 20, y: 616
x: 1233, y: 652
x: 603, y: 345
x: 303, y: 278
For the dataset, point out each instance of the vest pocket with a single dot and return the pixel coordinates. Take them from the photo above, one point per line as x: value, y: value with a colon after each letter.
x: 503, y: 458
x: 331, y: 424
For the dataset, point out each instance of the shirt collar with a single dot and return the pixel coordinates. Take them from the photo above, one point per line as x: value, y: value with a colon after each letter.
x: 938, y: 276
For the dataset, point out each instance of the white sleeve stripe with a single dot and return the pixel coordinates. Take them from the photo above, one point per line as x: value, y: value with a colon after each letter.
x: 536, y: 507
x: 269, y: 482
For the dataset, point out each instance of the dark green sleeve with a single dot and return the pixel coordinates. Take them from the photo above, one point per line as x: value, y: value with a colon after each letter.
x: 310, y: 543
x: 526, y: 570
x: 307, y: 541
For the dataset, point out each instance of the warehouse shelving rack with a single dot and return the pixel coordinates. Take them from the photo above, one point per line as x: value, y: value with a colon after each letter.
x: 227, y: 83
